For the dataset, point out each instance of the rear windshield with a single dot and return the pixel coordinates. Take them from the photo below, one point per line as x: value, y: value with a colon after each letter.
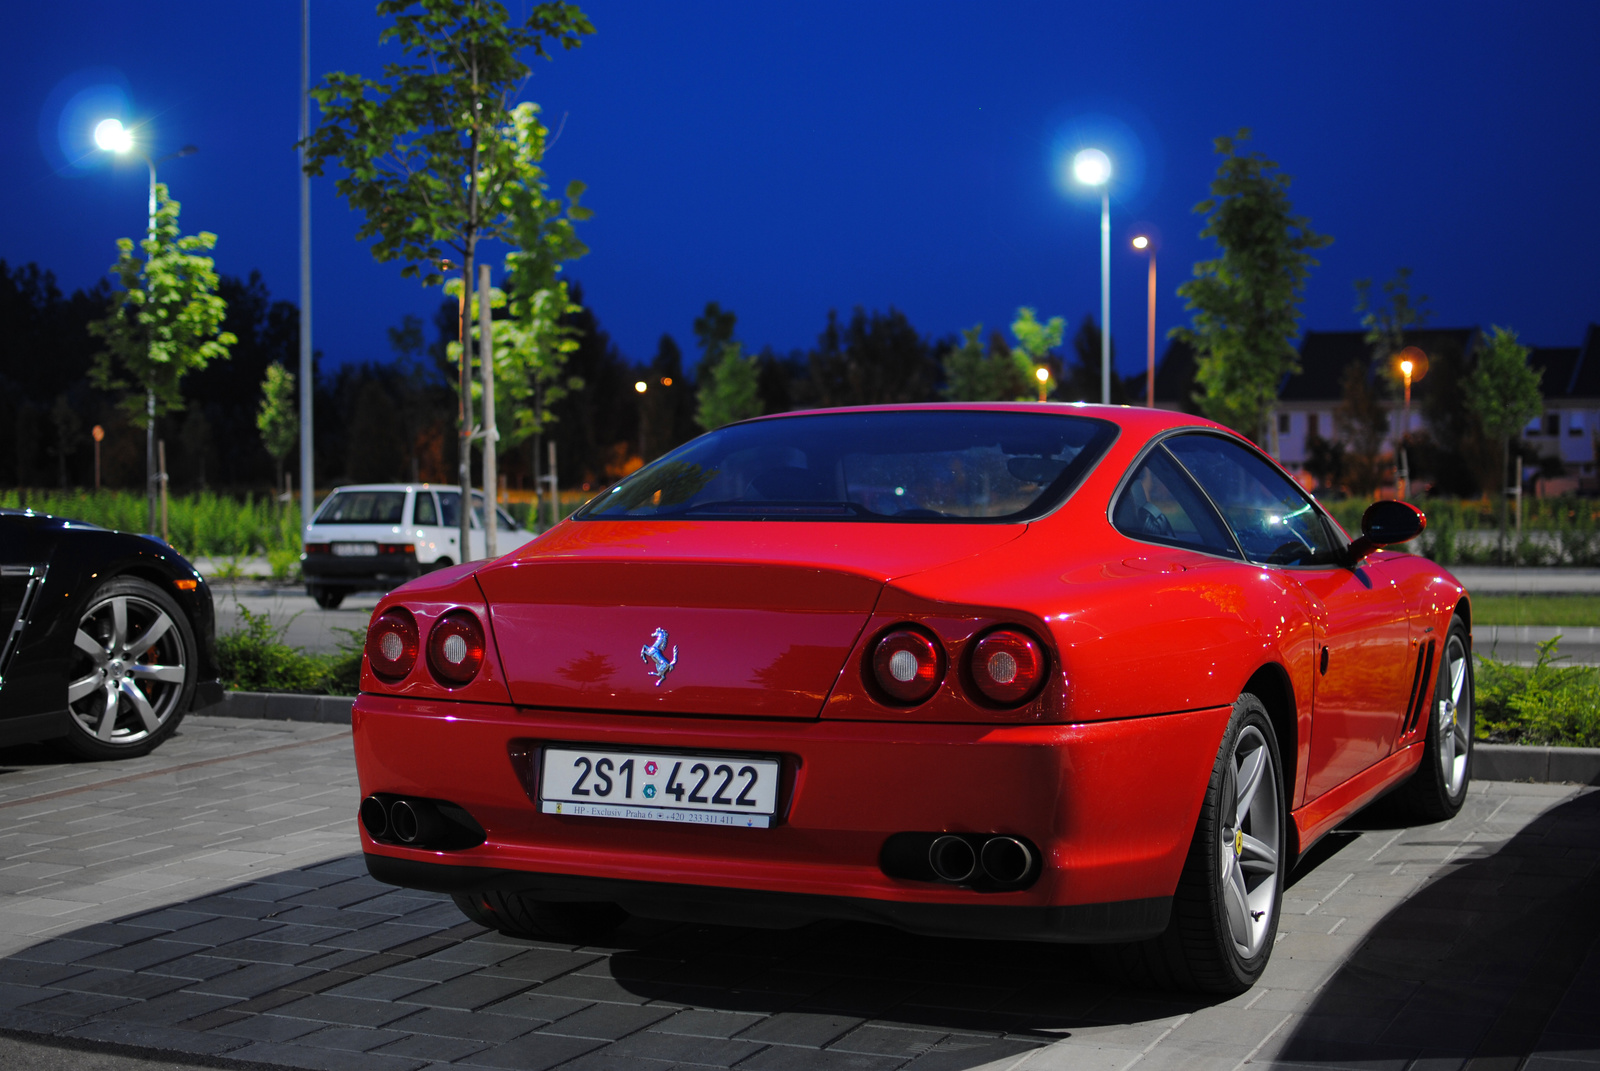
x: 929, y: 465
x: 363, y: 507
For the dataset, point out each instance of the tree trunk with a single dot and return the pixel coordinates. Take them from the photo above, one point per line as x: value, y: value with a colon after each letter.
x: 1505, y: 465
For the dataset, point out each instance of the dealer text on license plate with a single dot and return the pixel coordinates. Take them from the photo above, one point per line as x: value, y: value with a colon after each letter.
x: 719, y: 790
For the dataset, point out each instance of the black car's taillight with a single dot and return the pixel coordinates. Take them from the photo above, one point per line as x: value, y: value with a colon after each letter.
x: 455, y: 648
x: 907, y: 665
x: 1007, y: 666
x: 392, y: 644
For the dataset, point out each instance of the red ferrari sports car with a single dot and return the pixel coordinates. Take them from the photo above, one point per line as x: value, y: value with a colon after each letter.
x: 1043, y: 672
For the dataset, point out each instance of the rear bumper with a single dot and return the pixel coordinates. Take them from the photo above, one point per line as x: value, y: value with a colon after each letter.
x: 1127, y: 920
x: 381, y: 572
x: 1111, y: 806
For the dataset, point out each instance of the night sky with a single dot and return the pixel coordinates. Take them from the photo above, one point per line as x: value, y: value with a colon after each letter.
x: 788, y: 158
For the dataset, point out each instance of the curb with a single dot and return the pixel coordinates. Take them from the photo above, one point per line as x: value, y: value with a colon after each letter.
x: 284, y: 706
x: 1513, y: 762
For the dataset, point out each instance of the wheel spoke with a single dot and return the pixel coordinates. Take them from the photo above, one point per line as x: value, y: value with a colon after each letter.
x: 1458, y: 677
x: 1248, y: 783
x: 157, y: 629
x: 85, y: 686
x: 91, y: 647
x: 166, y: 674
x: 1237, y: 907
x: 108, y: 717
x: 147, y: 713
x: 1462, y: 740
x: 1258, y: 856
x: 119, y: 623
x: 1447, y: 738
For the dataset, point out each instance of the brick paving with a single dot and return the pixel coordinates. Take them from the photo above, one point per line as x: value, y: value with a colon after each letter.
x: 210, y: 901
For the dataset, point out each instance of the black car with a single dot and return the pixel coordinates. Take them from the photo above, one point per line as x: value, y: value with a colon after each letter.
x: 106, y: 638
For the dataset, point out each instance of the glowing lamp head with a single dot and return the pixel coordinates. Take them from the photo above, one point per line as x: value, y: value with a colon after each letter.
x: 1405, y: 368
x: 640, y: 386
x: 112, y: 136
x: 1092, y: 167
x: 1042, y: 374
x: 1141, y: 242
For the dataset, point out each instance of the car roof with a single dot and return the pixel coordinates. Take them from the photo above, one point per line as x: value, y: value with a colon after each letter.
x: 1135, y: 418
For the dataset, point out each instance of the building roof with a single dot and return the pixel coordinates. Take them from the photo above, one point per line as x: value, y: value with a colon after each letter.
x: 1324, y: 355
x: 1585, y: 379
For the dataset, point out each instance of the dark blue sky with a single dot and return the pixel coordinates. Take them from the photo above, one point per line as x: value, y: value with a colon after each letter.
x: 784, y: 159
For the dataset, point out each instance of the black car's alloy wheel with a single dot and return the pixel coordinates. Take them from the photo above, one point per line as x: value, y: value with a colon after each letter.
x: 133, y: 670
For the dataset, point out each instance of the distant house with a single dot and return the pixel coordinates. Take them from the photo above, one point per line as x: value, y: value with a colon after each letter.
x: 1567, y: 431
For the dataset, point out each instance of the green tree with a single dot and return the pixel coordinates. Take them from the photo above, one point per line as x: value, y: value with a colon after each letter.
x: 1503, y: 393
x: 876, y: 359
x: 1362, y: 421
x: 1246, y: 302
x: 164, y: 322
x: 996, y: 373
x: 1036, y: 342
x: 1389, y: 317
x: 276, y: 419
x: 429, y: 152
x: 1083, y: 378
x: 729, y: 389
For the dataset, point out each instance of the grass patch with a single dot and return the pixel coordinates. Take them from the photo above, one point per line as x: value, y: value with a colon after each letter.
x: 1547, y: 703
x: 254, y: 658
x: 1572, y: 611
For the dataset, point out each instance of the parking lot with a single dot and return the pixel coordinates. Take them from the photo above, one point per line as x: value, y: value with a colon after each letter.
x: 210, y: 900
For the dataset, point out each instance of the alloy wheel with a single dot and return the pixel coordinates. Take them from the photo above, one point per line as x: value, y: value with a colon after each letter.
x: 1251, y: 838
x: 1455, y: 718
x: 129, y: 672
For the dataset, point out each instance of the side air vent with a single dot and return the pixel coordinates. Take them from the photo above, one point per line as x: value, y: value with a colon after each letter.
x: 19, y: 589
x: 1419, y: 685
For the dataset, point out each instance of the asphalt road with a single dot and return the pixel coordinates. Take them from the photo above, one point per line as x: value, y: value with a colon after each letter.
x: 207, y: 906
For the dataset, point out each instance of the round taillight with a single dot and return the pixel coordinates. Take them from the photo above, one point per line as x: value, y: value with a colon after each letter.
x: 392, y: 644
x: 1007, y: 666
x: 455, y: 648
x: 907, y: 666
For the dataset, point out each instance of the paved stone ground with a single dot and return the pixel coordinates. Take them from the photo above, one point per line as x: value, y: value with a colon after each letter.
x: 208, y: 901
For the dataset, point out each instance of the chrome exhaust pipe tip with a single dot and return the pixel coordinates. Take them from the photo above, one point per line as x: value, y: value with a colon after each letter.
x: 404, y: 821
x: 1006, y: 860
x: 375, y: 817
x: 952, y: 859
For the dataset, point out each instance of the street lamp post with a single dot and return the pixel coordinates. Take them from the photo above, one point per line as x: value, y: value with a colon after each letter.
x: 1093, y: 168
x: 111, y: 136
x: 1144, y: 244
x: 1406, y: 368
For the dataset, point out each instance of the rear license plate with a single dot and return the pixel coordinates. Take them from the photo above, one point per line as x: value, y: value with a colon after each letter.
x: 355, y: 550
x: 716, y: 790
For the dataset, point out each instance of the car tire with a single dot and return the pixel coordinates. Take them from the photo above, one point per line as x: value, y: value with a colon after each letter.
x: 1225, y: 911
x: 521, y: 916
x: 1439, y: 787
x: 327, y: 598
x: 132, y: 672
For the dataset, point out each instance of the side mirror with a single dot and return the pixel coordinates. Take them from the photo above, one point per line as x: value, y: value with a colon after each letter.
x: 1387, y: 523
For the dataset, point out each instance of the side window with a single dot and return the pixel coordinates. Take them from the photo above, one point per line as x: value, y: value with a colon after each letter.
x: 450, y: 508
x: 425, y: 512
x: 1273, y: 520
x: 1161, y: 504
x: 504, y: 521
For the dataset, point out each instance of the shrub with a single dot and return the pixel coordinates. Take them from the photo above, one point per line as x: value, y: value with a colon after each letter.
x: 254, y: 658
x: 1544, y: 703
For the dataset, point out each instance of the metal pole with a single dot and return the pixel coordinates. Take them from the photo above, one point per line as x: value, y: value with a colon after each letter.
x: 491, y: 476
x: 464, y: 385
x: 150, y: 394
x: 1105, y: 296
x: 1150, y: 356
x: 308, y: 481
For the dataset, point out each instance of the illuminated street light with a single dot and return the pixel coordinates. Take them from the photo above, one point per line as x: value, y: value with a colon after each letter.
x: 1093, y: 168
x: 1042, y: 374
x: 1412, y: 363
x: 1145, y: 245
x: 641, y: 386
x: 111, y: 136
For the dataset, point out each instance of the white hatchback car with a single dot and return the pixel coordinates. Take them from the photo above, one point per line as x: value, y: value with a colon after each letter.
x: 374, y: 537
